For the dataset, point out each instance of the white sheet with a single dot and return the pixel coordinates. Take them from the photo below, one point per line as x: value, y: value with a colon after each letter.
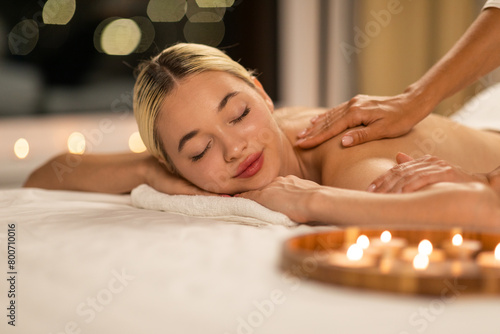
x: 187, y: 275
x: 93, y: 263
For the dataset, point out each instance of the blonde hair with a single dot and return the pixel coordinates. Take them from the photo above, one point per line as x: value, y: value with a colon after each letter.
x: 157, y: 77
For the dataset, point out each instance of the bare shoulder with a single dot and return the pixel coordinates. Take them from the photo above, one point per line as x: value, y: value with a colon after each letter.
x: 294, y: 119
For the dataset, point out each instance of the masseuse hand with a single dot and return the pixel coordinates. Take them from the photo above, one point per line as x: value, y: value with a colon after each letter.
x: 289, y: 195
x: 413, y: 174
x: 382, y: 117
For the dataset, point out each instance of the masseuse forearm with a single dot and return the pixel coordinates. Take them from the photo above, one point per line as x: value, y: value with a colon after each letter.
x: 116, y: 173
x: 445, y: 204
x: 474, y: 55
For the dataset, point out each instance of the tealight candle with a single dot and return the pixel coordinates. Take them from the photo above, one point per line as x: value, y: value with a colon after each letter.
x: 460, y: 248
x: 353, y: 258
x: 387, y: 244
x: 363, y: 241
x: 424, y: 248
x: 421, y: 261
x: 490, y: 260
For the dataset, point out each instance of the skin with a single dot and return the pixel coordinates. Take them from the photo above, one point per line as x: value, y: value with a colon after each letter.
x: 475, y: 54
x: 322, y: 184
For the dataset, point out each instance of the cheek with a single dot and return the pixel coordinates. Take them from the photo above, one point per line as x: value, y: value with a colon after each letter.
x: 211, y: 174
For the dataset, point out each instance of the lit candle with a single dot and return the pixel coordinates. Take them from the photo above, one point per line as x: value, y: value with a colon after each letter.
x: 460, y: 248
x: 387, y: 244
x: 490, y: 260
x: 424, y: 248
x: 363, y: 241
x: 354, y: 257
x: 421, y: 261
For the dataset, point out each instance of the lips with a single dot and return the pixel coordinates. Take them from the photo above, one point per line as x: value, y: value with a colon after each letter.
x: 251, y: 165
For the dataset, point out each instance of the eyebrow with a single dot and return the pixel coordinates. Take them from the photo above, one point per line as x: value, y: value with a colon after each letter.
x: 193, y: 133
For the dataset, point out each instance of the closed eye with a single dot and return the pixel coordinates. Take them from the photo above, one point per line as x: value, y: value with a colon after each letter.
x: 199, y: 156
x: 240, y: 118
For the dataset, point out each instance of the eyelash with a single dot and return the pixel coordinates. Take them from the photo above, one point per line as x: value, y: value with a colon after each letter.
x: 199, y: 156
x: 236, y: 120
x: 239, y: 119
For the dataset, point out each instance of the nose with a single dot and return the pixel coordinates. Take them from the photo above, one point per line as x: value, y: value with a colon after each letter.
x: 234, y: 146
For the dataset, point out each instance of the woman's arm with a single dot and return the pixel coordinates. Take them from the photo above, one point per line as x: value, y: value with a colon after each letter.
x: 108, y: 173
x: 475, y: 54
x: 445, y: 204
x: 414, y: 174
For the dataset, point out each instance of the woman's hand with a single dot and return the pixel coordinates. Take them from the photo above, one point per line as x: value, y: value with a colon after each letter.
x: 411, y: 175
x: 289, y: 195
x: 159, y: 178
x: 382, y: 117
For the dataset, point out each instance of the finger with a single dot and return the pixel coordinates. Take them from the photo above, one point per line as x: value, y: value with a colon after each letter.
x: 360, y: 136
x: 387, y: 181
x: 402, y: 158
x: 324, y: 127
x: 321, y: 133
x: 419, y: 181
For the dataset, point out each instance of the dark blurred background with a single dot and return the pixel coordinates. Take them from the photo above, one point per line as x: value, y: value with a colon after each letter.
x: 49, y: 66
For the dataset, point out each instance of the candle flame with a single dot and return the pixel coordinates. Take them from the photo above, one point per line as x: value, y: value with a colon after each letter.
x: 497, y: 252
x: 457, y: 240
x: 425, y: 247
x: 363, y: 241
x: 420, y: 261
x: 385, y: 237
x: 355, y: 252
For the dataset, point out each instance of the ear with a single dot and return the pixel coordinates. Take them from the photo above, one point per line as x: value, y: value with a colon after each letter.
x: 262, y: 92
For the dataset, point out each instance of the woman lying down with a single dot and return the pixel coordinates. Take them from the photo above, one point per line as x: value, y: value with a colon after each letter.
x: 210, y: 128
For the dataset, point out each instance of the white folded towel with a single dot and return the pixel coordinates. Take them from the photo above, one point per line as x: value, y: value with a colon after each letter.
x: 229, y: 209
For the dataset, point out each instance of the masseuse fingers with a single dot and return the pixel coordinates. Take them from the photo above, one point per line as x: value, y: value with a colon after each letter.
x: 404, y: 170
x: 415, y: 181
x: 324, y: 127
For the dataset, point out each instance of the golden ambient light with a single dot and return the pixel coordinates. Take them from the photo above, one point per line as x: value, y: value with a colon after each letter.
x: 21, y: 148
x: 135, y: 143
x: 76, y: 143
x: 425, y: 247
x: 457, y: 240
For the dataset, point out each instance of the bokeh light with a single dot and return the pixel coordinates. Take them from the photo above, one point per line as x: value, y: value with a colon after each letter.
x: 420, y: 261
x: 76, y: 143
x: 457, y: 240
x: 147, y: 33
x: 58, y: 11
x: 21, y: 148
x: 120, y: 37
x: 204, y: 33
x: 166, y: 10
x: 385, y: 236
x: 98, y: 32
x: 204, y: 15
x: 135, y: 143
x: 497, y: 252
x: 354, y: 252
x: 214, y: 3
x: 425, y: 247
x: 363, y: 241
x: 23, y: 37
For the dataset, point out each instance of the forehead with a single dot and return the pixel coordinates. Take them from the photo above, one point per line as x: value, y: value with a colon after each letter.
x: 201, y: 91
x: 194, y: 100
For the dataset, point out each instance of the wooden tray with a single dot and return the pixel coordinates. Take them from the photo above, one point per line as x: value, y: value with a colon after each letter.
x: 307, y: 256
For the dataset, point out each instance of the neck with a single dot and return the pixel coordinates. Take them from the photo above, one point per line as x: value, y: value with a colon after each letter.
x: 294, y: 162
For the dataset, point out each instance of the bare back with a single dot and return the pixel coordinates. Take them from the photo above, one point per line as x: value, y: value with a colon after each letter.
x: 356, y: 167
